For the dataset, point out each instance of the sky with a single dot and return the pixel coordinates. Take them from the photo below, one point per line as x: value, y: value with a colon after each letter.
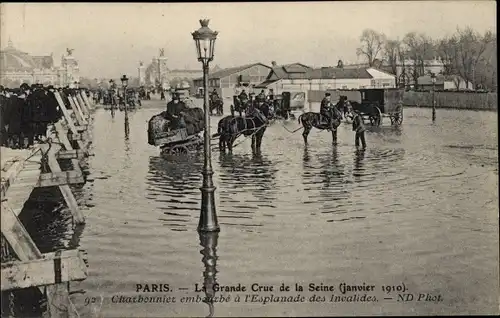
x: 110, y: 39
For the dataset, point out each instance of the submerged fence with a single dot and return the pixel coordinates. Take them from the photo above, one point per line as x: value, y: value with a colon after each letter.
x: 458, y: 100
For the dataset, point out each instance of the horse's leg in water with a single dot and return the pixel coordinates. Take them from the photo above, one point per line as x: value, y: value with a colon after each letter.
x: 229, y: 141
x: 305, y: 133
x: 222, y: 142
x: 259, y: 137
x: 334, y: 136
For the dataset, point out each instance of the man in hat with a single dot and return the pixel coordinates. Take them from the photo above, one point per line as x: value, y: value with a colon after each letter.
x: 359, y: 127
x: 262, y: 96
x: 326, y: 109
x: 243, y: 96
x: 270, y: 96
x: 174, y: 112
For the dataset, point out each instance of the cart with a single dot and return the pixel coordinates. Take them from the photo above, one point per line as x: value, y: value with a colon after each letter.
x: 375, y: 104
x: 172, y: 141
x: 178, y: 142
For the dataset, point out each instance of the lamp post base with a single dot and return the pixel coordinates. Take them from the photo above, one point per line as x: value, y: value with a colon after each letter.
x: 208, y: 217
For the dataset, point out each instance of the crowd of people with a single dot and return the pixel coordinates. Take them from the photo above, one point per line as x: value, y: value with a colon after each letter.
x: 26, y: 112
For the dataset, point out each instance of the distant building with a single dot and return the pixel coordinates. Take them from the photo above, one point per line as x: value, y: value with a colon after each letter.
x: 443, y: 82
x: 226, y: 80
x: 17, y: 67
x: 302, y: 78
x: 158, y: 73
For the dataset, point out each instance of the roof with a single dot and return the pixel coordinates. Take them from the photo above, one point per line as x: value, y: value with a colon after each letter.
x: 318, y: 73
x: 295, y: 70
x: 339, y: 73
x: 186, y: 71
x: 13, y: 59
x: 232, y: 70
x: 266, y: 83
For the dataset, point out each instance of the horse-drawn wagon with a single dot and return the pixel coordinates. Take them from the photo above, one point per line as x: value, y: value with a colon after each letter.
x: 376, y: 103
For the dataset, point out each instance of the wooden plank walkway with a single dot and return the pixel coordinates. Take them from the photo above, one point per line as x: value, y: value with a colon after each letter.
x: 21, y: 172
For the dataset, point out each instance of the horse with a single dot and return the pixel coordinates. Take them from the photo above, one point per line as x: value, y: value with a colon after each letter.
x: 319, y: 121
x: 231, y: 127
x: 217, y: 105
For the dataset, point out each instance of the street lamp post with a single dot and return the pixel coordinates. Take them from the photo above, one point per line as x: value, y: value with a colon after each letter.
x: 433, y: 78
x: 205, y: 43
x: 309, y: 94
x: 124, y: 80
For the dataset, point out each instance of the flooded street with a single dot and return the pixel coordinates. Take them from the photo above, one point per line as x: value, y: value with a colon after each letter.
x: 419, y: 207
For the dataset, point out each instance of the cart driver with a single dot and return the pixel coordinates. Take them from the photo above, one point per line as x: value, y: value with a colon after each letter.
x: 174, y: 113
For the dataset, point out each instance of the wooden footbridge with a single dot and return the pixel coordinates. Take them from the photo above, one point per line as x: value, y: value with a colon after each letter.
x: 22, y: 172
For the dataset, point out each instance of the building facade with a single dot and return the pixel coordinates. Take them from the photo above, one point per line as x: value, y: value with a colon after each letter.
x: 17, y: 67
x: 443, y: 82
x: 158, y: 73
x: 300, y: 78
x: 225, y: 81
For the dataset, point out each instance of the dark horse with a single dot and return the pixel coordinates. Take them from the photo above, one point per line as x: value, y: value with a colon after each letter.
x: 218, y: 105
x: 319, y: 121
x: 231, y: 127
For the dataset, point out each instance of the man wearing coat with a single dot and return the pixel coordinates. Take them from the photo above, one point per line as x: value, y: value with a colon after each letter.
x: 174, y: 113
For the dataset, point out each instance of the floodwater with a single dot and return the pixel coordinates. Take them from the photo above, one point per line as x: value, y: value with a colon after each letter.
x: 419, y: 207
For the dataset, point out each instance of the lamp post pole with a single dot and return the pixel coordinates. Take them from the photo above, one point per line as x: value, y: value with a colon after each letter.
x: 433, y: 78
x: 124, y: 80
x: 208, y: 217
x: 205, y: 41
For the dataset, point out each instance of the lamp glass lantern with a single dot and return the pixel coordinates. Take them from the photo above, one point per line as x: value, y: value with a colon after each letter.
x: 205, y: 38
x: 124, y: 80
x: 433, y: 78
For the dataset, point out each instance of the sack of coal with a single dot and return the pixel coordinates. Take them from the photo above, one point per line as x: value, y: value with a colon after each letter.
x: 157, y: 126
x: 194, y: 118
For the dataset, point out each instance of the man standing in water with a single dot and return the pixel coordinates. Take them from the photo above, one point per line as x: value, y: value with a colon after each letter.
x: 359, y: 127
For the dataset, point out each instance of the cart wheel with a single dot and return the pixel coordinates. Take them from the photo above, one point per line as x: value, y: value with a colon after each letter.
x: 397, y: 118
x: 179, y: 150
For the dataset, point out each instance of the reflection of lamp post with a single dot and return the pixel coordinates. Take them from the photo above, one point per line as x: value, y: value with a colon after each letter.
x: 124, y: 80
x: 209, y: 240
x: 433, y: 78
x: 205, y: 43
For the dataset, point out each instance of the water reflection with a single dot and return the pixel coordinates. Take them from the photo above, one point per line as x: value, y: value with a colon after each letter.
x: 325, y: 179
x: 359, y: 169
x: 306, y: 158
x: 127, y: 129
x: 208, y: 241
x: 127, y: 147
x: 243, y: 174
x: 174, y: 186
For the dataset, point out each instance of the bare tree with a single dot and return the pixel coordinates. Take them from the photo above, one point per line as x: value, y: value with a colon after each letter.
x: 391, y: 51
x: 371, y: 45
x: 447, y: 50
x: 420, y: 49
x: 471, y: 46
